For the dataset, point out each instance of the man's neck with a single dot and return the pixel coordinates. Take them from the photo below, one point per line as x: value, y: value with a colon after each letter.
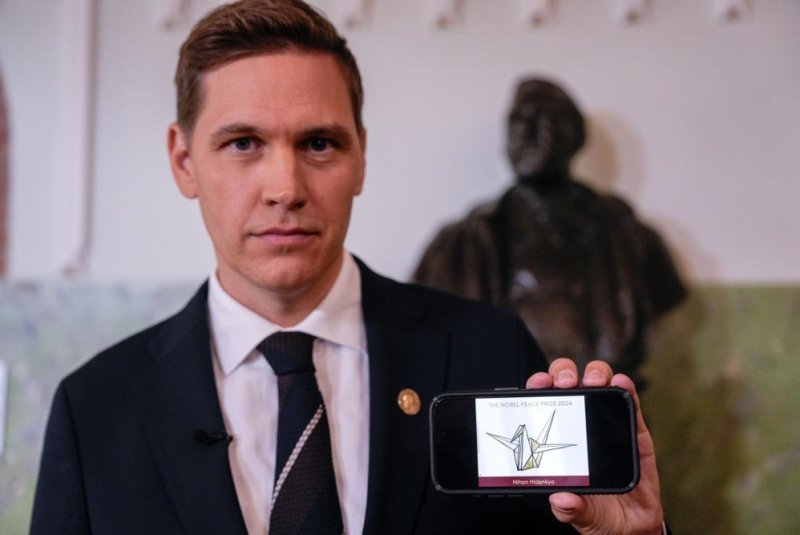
x: 286, y: 310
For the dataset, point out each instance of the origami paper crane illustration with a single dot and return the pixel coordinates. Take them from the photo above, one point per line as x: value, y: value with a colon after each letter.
x: 527, y: 451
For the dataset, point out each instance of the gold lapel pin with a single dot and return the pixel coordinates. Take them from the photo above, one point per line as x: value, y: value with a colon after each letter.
x: 408, y: 401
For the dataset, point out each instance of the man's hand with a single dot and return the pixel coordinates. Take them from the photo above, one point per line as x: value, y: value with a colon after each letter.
x: 637, y: 512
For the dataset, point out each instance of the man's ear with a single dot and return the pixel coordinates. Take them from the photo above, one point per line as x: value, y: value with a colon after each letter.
x: 180, y: 161
x: 362, y: 139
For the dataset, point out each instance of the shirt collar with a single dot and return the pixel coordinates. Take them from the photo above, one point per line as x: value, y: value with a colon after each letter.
x: 237, y: 330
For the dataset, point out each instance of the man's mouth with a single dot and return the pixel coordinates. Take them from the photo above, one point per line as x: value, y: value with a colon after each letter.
x: 286, y: 236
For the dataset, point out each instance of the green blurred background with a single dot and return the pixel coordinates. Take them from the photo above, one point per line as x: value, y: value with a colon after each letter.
x: 724, y: 393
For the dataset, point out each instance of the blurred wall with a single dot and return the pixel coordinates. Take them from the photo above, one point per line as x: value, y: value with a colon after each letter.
x: 693, y: 120
x: 3, y: 178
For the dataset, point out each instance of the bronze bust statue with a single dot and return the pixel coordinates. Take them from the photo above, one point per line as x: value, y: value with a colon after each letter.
x: 583, y: 273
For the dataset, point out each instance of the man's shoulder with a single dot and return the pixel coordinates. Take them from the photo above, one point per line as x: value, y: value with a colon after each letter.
x: 134, y: 353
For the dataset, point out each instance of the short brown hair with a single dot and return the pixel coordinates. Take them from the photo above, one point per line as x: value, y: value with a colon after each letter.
x: 251, y: 27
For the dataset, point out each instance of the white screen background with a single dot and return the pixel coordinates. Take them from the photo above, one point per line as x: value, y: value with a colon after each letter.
x: 502, y: 416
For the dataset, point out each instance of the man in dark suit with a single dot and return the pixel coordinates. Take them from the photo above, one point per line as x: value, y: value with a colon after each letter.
x: 174, y: 429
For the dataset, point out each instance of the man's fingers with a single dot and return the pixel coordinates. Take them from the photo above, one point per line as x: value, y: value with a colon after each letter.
x: 569, y: 508
x: 539, y: 380
x: 597, y: 373
x: 646, y: 447
x: 623, y: 381
x: 564, y: 373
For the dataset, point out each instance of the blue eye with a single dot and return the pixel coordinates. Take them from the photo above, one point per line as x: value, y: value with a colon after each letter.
x: 243, y: 143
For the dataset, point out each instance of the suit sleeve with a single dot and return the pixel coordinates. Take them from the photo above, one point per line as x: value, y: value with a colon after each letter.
x: 60, y: 501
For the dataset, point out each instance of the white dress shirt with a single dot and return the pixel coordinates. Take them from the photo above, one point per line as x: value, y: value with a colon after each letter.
x: 248, y: 394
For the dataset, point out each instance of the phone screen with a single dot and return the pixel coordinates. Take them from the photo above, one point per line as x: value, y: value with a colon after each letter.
x: 532, y: 442
x: 509, y: 442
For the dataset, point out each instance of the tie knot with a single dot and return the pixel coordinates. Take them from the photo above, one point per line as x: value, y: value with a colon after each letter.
x: 288, y: 352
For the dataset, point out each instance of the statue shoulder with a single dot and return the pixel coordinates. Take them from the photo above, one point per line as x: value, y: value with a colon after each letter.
x: 617, y: 204
x: 462, y: 257
x: 473, y: 225
x: 484, y: 211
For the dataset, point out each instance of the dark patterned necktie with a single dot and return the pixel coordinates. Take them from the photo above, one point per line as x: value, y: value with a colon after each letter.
x: 304, y: 499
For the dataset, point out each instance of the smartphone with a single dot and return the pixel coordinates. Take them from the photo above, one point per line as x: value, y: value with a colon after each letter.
x: 508, y: 442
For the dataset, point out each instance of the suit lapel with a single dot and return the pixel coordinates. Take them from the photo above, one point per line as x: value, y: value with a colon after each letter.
x: 404, y: 352
x: 176, y: 397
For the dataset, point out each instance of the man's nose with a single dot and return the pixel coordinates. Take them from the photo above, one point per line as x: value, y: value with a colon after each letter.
x: 283, y: 183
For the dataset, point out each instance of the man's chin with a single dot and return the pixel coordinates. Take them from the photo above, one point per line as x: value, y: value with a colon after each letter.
x: 291, y: 276
x: 285, y: 282
x: 288, y: 275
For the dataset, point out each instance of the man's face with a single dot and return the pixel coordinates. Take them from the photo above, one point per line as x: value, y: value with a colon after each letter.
x: 275, y: 161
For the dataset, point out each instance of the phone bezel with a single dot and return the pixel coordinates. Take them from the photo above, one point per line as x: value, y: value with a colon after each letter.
x: 618, y: 485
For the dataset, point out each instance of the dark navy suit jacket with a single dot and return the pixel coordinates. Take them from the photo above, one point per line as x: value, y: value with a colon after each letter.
x: 119, y: 454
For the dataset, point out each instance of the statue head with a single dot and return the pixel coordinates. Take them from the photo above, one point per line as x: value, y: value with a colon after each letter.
x: 545, y: 130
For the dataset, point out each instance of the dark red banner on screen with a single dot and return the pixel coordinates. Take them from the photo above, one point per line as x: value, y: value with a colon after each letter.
x: 539, y: 481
